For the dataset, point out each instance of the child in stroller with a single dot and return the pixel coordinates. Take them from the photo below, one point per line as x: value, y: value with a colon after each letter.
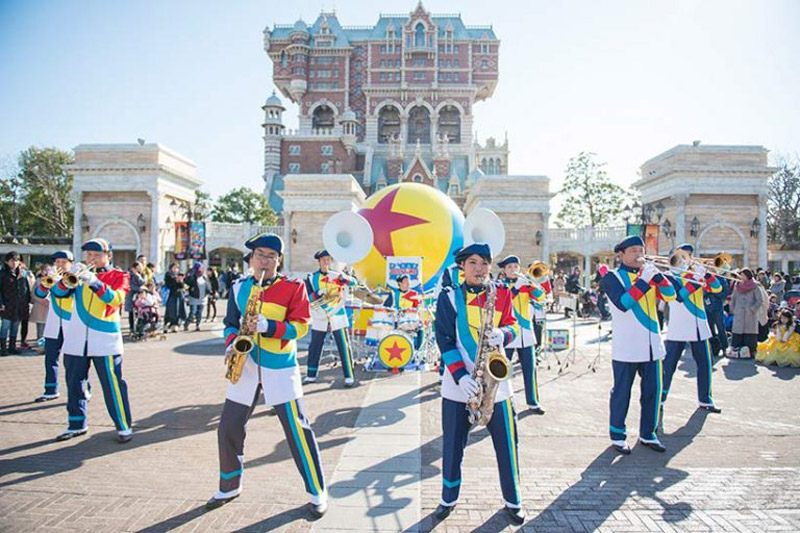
x: 147, y: 315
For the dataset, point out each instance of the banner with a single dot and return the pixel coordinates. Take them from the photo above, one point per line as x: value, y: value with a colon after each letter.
x: 651, y: 239
x: 633, y: 229
x: 181, y: 240
x: 190, y: 241
x: 410, y: 266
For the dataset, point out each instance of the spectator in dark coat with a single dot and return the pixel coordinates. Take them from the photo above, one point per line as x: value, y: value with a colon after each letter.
x: 15, y: 297
x: 175, y: 308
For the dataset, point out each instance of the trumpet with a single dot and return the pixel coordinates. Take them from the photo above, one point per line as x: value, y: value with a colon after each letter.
x: 49, y: 280
x: 72, y: 278
x: 718, y: 261
x: 538, y: 269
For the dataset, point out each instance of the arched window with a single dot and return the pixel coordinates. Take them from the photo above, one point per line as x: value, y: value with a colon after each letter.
x: 417, y: 178
x: 388, y: 123
x: 419, y: 35
x: 450, y: 123
x: 484, y: 168
x: 322, y: 118
x: 284, y: 61
x: 419, y: 125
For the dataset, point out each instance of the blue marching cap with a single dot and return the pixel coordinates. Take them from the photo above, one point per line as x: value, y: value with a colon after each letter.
x: 479, y: 248
x: 457, y: 251
x: 62, y: 254
x: 320, y: 254
x: 401, y: 277
x: 96, y: 245
x: 508, y: 260
x: 685, y: 246
x: 627, y: 242
x: 265, y: 240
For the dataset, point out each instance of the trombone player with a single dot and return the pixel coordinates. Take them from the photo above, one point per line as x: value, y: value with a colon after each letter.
x: 634, y: 289
x: 330, y: 316
x: 280, y: 318
x: 688, y: 323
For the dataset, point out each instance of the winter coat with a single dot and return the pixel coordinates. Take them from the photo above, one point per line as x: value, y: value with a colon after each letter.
x: 745, y: 307
x: 137, y: 282
x: 15, y: 294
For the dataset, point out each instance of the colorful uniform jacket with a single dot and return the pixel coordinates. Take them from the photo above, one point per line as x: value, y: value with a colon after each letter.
x: 318, y: 284
x: 539, y: 314
x: 715, y: 301
x: 524, y: 298
x: 634, y: 317
x: 687, y: 313
x: 398, y: 299
x: 451, y: 277
x: 285, y: 304
x: 58, y: 313
x: 94, y: 327
x: 457, y: 327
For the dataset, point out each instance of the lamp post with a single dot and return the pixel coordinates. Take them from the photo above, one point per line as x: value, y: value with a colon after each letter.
x: 695, y: 227
x: 755, y: 227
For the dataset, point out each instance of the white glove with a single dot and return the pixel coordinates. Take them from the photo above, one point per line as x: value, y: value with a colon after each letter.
x: 496, y: 337
x: 648, y: 272
x: 88, y: 277
x: 699, y: 270
x: 520, y: 283
x: 263, y: 324
x: 468, y: 386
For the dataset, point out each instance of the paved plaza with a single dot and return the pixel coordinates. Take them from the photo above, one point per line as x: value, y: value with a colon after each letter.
x: 381, y: 444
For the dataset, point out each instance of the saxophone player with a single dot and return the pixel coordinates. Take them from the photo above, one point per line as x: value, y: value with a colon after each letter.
x: 280, y: 317
x: 634, y: 289
x: 458, y: 321
x: 334, y: 319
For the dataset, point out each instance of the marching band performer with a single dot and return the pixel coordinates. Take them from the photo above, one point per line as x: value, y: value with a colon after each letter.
x: 331, y: 317
x: 270, y: 369
x: 637, y: 348
x: 715, y: 302
x: 404, y: 297
x: 524, y: 294
x: 457, y: 326
x: 59, y: 312
x: 688, y: 323
x: 93, y: 335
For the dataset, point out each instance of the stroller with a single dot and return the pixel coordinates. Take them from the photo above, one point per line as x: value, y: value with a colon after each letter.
x: 147, y: 318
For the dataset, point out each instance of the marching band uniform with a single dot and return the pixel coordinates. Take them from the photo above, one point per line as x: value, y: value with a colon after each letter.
x: 688, y: 323
x: 93, y: 335
x: 452, y: 276
x: 457, y: 325
x: 524, y: 295
x: 333, y: 319
x: 714, y: 302
x: 270, y: 369
x: 399, y: 300
x: 636, y: 347
x: 58, y: 312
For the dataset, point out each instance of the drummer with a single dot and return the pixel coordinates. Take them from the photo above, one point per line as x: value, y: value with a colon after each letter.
x: 404, y: 297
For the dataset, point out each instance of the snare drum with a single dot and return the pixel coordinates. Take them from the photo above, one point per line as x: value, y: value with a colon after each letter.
x: 408, y: 320
x: 382, y: 318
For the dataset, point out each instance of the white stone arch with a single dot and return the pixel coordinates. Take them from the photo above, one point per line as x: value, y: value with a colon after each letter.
x: 415, y: 103
x: 122, y: 222
x: 388, y: 102
x: 323, y: 101
x: 452, y: 103
x: 728, y: 225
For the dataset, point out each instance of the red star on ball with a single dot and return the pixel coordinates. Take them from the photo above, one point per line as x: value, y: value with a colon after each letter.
x: 384, y: 221
x: 395, y: 352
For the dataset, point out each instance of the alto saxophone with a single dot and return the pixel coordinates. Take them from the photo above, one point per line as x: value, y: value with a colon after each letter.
x: 244, y: 342
x: 491, y: 366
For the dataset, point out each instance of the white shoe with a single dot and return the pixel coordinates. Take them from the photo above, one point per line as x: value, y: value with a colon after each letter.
x: 349, y: 382
x: 309, y: 379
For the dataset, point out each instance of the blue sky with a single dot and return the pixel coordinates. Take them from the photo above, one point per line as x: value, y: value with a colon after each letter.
x: 624, y: 79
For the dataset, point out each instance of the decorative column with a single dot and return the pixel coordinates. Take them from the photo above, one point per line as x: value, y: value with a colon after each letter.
x: 680, y: 217
x: 77, y: 229
x: 287, y: 239
x: 587, y: 266
x: 762, y: 233
x: 154, y: 254
x: 546, y: 237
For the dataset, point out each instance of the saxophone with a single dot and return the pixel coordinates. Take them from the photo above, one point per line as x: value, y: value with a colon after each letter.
x: 244, y: 342
x: 491, y: 366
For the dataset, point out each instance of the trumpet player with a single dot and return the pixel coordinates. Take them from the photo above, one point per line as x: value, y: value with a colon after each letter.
x: 458, y: 321
x: 330, y: 316
x: 524, y: 293
x: 93, y: 335
x: 688, y: 323
x: 58, y: 313
x: 637, y: 348
x: 271, y: 369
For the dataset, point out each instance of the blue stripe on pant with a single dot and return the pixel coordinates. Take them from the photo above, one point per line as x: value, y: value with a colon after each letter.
x: 650, y: 395
x: 52, y: 349
x: 115, y: 390
x: 502, y: 428
x: 297, y: 430
x: 701, y: 352
x: 315, y: 351
x: 528, y: 364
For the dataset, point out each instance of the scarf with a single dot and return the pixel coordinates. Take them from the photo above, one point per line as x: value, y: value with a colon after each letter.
x: 746, y: 286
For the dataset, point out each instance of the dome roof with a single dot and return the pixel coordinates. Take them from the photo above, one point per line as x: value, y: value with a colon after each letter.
x: 300, y: 25
x: 274, y: 100
x: 349, y: 115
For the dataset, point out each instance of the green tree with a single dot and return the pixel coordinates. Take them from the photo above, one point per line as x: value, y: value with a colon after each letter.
x: 590, y: 198
x: 783, y: 203
x: 243, y: 205
x: 36, y: 193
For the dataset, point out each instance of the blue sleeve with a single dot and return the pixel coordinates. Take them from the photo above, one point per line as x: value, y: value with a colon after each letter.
x: 232, y: 319
x: 621, y: 298
x: 445, y: 325
x: 389, y: 302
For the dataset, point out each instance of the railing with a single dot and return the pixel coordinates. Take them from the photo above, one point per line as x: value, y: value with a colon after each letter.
x: 34, y: 239
x: 334, y: 131
x: 612, y: 233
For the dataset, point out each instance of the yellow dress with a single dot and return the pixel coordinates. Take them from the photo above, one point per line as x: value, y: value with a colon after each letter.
x: 782, y: 348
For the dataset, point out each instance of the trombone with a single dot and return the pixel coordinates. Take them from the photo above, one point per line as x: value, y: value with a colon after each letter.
x: 679, y: 256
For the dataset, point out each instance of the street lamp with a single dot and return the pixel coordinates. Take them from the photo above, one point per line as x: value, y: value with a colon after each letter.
x: 294, y: 236
x: 84, y: 223
x: 666, y: 226
x: 755, y: 227
x: 538, y: 237
x: 648, y: 211
x: 140, y: 223
x: 659, y: 210
x: 695, y: 227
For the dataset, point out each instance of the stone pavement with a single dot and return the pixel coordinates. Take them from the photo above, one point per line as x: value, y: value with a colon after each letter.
x: 381, y: 444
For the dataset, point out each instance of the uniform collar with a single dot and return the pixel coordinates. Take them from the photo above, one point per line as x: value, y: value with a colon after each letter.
x: 474, y: 289
x: 623, y: 266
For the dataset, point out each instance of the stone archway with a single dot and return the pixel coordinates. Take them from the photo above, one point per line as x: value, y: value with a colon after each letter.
x: 744, y: 248
x: 125, y: 240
